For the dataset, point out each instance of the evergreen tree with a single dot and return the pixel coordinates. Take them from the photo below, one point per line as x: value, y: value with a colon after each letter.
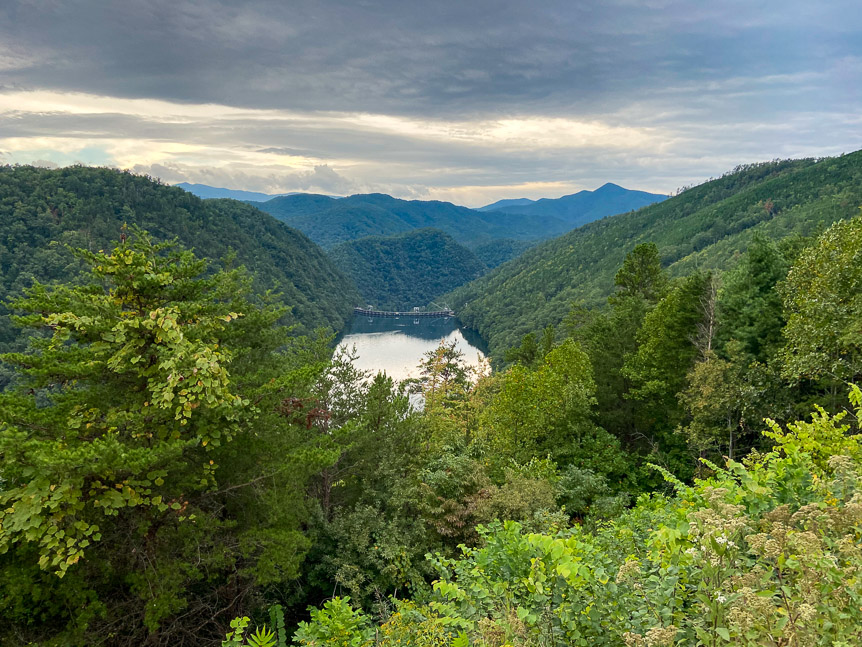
x: 666, y: 352
x: 611, y: 339
x: 121, y: 487
x: 641, y: 275
x: 445, y: 379
x: 750, y: 304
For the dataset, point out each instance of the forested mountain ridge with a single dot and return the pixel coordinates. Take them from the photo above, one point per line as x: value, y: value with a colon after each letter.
x: 87, y: 207
x: 706, y: 226
x: 582, y: 207
x: 329, y: 221
x: 410, y: 269
x: 738, y: 390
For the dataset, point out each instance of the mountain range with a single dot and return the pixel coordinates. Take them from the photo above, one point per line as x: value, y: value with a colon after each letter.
x: 329, y: 221
x: 205, y: 191
x: 705, y: 227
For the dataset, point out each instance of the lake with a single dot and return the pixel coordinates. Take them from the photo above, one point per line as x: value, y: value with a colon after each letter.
x: 396, y: 346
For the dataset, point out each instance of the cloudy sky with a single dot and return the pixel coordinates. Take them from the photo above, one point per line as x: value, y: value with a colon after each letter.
x: 468, y: 101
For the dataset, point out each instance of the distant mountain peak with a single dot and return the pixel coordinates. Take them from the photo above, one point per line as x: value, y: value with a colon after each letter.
x: 704, y: 227
x: 582, y: 207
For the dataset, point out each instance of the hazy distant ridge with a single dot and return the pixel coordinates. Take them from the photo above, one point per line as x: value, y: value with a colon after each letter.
x: 328, y: 221
x: 582, y: 207
x: 205, y: 191
x: 500, y: 204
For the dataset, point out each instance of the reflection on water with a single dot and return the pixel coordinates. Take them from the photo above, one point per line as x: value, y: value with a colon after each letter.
x: 396, y: 346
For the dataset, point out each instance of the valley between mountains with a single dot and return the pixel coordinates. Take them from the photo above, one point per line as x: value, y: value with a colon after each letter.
x: 663, y: 448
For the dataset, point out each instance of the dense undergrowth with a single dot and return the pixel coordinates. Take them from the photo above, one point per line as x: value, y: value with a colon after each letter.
x: 764, y: 552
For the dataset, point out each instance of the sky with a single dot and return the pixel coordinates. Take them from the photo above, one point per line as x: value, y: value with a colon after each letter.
x: 468, y: 101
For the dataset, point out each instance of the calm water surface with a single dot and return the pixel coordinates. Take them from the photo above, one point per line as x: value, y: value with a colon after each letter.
x: 396, y: 346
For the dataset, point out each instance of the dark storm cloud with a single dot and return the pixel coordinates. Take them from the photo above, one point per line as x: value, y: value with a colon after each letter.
x: 401, y: 57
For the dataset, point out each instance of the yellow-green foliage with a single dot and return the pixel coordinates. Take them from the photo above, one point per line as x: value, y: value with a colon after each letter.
x: 532, y: 408
x: 823, y: 304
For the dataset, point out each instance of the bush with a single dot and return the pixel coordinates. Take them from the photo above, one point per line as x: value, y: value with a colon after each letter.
x: 765, y: 552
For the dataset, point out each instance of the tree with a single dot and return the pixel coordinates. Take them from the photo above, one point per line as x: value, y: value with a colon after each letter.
x: 119, y: 474
x: 641, y: 275
x: 529, y: 353
x: 611, y: 338
x: 526, y: 354
x: 545, y: 411
x: 714, y: 399
x: 750, y: 304
x: 823, y: 307
x: 666, y: 352
x: 666, y: 347
x: 445, y: 378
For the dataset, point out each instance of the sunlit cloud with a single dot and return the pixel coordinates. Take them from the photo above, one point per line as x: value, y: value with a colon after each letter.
x: 179, y: 153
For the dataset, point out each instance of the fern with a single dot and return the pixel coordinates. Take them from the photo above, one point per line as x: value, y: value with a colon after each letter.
x: 276, y: 618
x: 461, y: 640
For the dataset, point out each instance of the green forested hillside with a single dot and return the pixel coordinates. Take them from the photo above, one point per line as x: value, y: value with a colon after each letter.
x: 329, y: 221
x: 749, y: 532
x: 42, y: 211
x: 707, y: 226
x: 501, y: 250
x: 411, y: 269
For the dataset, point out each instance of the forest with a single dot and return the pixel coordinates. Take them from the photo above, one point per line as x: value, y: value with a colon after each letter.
x: 669, y: 453
x: 406, y: 270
